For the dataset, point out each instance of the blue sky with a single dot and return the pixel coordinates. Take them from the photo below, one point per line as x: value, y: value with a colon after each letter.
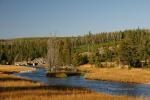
x: 32, y: 18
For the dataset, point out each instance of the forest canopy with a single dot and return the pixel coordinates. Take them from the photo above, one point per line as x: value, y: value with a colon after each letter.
x: 129, y: 47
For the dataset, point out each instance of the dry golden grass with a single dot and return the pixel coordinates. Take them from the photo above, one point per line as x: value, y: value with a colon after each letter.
x: 14, y: 81
x: 20, y: 83
x: 61, y: 95
x: 13, y: 68
x: 134, y: 75
x: 93, y: 96
x: 16, y: 88
x: 44, y: 65
x: 23, y: 89
x: 4, y: 76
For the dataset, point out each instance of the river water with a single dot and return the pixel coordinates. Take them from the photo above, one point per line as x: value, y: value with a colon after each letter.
x: 114, y: 88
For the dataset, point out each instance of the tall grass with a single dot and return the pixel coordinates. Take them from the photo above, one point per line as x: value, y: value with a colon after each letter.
x: 20, y: 83
x: 23, y: 89
x: 16, y: 88
x: 61, y: 95
x: 117, y: 74
x: 13, y: 68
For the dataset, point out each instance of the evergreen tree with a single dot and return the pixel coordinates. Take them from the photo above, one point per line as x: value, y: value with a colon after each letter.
x: 76, y: 59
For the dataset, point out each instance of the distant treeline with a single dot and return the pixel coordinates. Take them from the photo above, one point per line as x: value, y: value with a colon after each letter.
x: 130, y: 47
x: 22, y: 50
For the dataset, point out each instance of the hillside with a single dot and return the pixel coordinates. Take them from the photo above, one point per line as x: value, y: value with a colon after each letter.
x: 111, y: 46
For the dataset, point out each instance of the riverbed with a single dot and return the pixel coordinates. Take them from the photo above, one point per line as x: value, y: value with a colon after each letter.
x: 108, y: 87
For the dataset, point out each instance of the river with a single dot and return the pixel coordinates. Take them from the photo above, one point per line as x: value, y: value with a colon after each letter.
x: 114, y: 88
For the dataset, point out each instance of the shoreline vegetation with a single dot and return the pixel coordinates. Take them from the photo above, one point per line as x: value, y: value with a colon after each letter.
x: 133, y: 75
x: 20, y: 88
x: 15, y: 69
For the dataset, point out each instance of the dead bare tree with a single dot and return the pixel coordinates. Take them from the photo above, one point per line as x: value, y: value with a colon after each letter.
x: 53, y: 53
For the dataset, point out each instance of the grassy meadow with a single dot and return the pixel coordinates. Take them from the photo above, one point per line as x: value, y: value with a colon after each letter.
x: 16, y: 88
x: 27, y: 90
x: 13, y: 68
x: 134, y: 75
